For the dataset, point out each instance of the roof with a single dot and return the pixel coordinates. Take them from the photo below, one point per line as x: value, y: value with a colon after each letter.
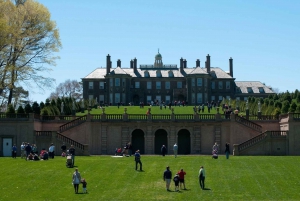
x: 254, y: 85
x: 100, y: 73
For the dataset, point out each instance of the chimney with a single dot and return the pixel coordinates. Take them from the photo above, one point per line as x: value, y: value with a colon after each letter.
x: 181, y: 65
x: 119, y: 63
x: 208, y: 63
x: 231, y: 67
x: 135, y: 65
x: 108, y: 64
x: 131, y: 63
x: 184, y: 63
x: 198, y: 63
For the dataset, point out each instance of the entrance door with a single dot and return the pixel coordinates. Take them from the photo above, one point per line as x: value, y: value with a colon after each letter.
x: 7, y: 145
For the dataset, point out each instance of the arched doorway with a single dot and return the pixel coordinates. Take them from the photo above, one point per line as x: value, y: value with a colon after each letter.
x: 161, y: 138
x: 181, y: 97
x: 184, y: 142
x: 138, y: 141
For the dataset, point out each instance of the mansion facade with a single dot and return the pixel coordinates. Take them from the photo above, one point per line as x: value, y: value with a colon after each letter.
x: 167, y: 83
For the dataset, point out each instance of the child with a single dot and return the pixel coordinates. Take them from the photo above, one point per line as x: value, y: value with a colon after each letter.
x: 176, y: 181
x: 84, y: 183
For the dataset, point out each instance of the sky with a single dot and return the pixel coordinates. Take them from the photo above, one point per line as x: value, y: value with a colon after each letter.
x: 262, y: 37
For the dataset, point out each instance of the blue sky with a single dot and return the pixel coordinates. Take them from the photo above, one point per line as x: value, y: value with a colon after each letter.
x: 262, y: 37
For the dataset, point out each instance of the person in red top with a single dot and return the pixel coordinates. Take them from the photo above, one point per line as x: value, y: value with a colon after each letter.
x: 181, y: 174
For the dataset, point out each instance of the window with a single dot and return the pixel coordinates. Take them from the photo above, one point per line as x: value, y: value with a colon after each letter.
x: 91, y: 85
x: 171, y: 74
x: 149, y: 98
x: 238, y: 90
x: 117, y: 98
x: 123, y: 82
x: 193, y: 82
x: 213, y: 98
x: 213, y: 85
x: 193, y: 98
x: 137, y: 85
x: 220, y: 85
x: 199, y: 82
x: 101, y: 85
x: 158, y: 73
x: 146, y: 74
x: 179, y: 85
x: 91, y: 97
x: 149, y: 85
x: 199, y: 98
x: 245, y: 98
x: 117, y: 82
x: 101, y: 99
x: 261, y: 90
x: 237, y: 98
x: 227, y: 84
x: 167, y: 85
x: 168, y: 99
x: 111, y: 82
x: 249, y: 90
x: 205, y: 82
x: 220, y: 98
x: 158, y: 85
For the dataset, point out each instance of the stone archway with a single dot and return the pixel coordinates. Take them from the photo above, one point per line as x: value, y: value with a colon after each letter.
x: 161, y: 138
x: 138, y: 141
x: 184, y: 142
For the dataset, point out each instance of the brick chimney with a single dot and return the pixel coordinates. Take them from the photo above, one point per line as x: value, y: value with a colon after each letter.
x: 181, y: 65
x: 135, y: 65
x: 119, y: 63
x: 197, y: 63
x: 231, y: 67
x: 184, y: 63
x: 108, y: 64
x: 208, y: 63
x: 131, y: 63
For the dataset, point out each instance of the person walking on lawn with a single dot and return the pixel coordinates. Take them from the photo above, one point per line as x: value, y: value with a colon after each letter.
x: 167, y: 176
x: 181, y: 174
x: 137, y: 158
x: 202, y: 177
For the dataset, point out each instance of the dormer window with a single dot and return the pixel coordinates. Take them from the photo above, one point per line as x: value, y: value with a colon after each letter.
x: 238, y: 90
x: 158, y: 73
x: 261, y: 90
x: 249, y: 90
x: 171, y: 74
x: 146, y: 74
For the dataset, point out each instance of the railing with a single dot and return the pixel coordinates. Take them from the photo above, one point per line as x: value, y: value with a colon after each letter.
x: 70, y: 141
x: 296, y: 116
x: 264, y: 117
x: 96, y: 117
x: 142, y: 66
x: 207, y: 116
x: 252, y: 141
x: 114, y: 117
x: 184, y: 117
x: 278, y: 133
x: 43, y: 133
x: 72, y: 123
x: 13, y: 116
x: 161, y: 117
x: 138, y: 117
x: 248, y: 123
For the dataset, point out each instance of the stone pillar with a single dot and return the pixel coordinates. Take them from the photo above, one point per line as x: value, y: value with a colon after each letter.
x: 196, y: 140
x: 258, y: 115
x: 247, y: 113
x: 86, y: 151
x: 149, y: 140
x: 104, y: 140
x: 235, y: 151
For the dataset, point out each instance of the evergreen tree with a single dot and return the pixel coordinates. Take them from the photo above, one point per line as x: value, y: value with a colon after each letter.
x: 10, y: 109
x: 20, y: 110
x: 28, y: 108
x: 293, y: 107
x: 36, y: 108
x: 285, y: 107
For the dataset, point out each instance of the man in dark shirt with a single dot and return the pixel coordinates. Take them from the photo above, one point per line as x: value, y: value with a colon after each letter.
x: 167, y: 177
x: 72, y: 152
x: 28, y: 150
x: 137, y: 158
x: 63, y: 147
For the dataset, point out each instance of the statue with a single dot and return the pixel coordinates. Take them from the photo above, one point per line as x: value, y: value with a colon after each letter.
x: 247, y: 106
x: 259, y: 106
x: 73, y: 105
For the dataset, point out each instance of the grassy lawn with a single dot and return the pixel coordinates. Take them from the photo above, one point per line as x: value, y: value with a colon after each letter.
x: 108, y: 178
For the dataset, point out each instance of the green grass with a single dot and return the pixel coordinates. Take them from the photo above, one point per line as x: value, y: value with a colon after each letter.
x: 108, y: 178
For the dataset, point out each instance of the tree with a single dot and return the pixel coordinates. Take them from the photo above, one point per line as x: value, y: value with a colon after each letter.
x: 28, y: 108
x: 69, y: 88
x: 29, y: 40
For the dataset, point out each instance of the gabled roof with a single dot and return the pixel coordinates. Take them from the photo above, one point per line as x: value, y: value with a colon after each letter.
x: 118, y: 71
